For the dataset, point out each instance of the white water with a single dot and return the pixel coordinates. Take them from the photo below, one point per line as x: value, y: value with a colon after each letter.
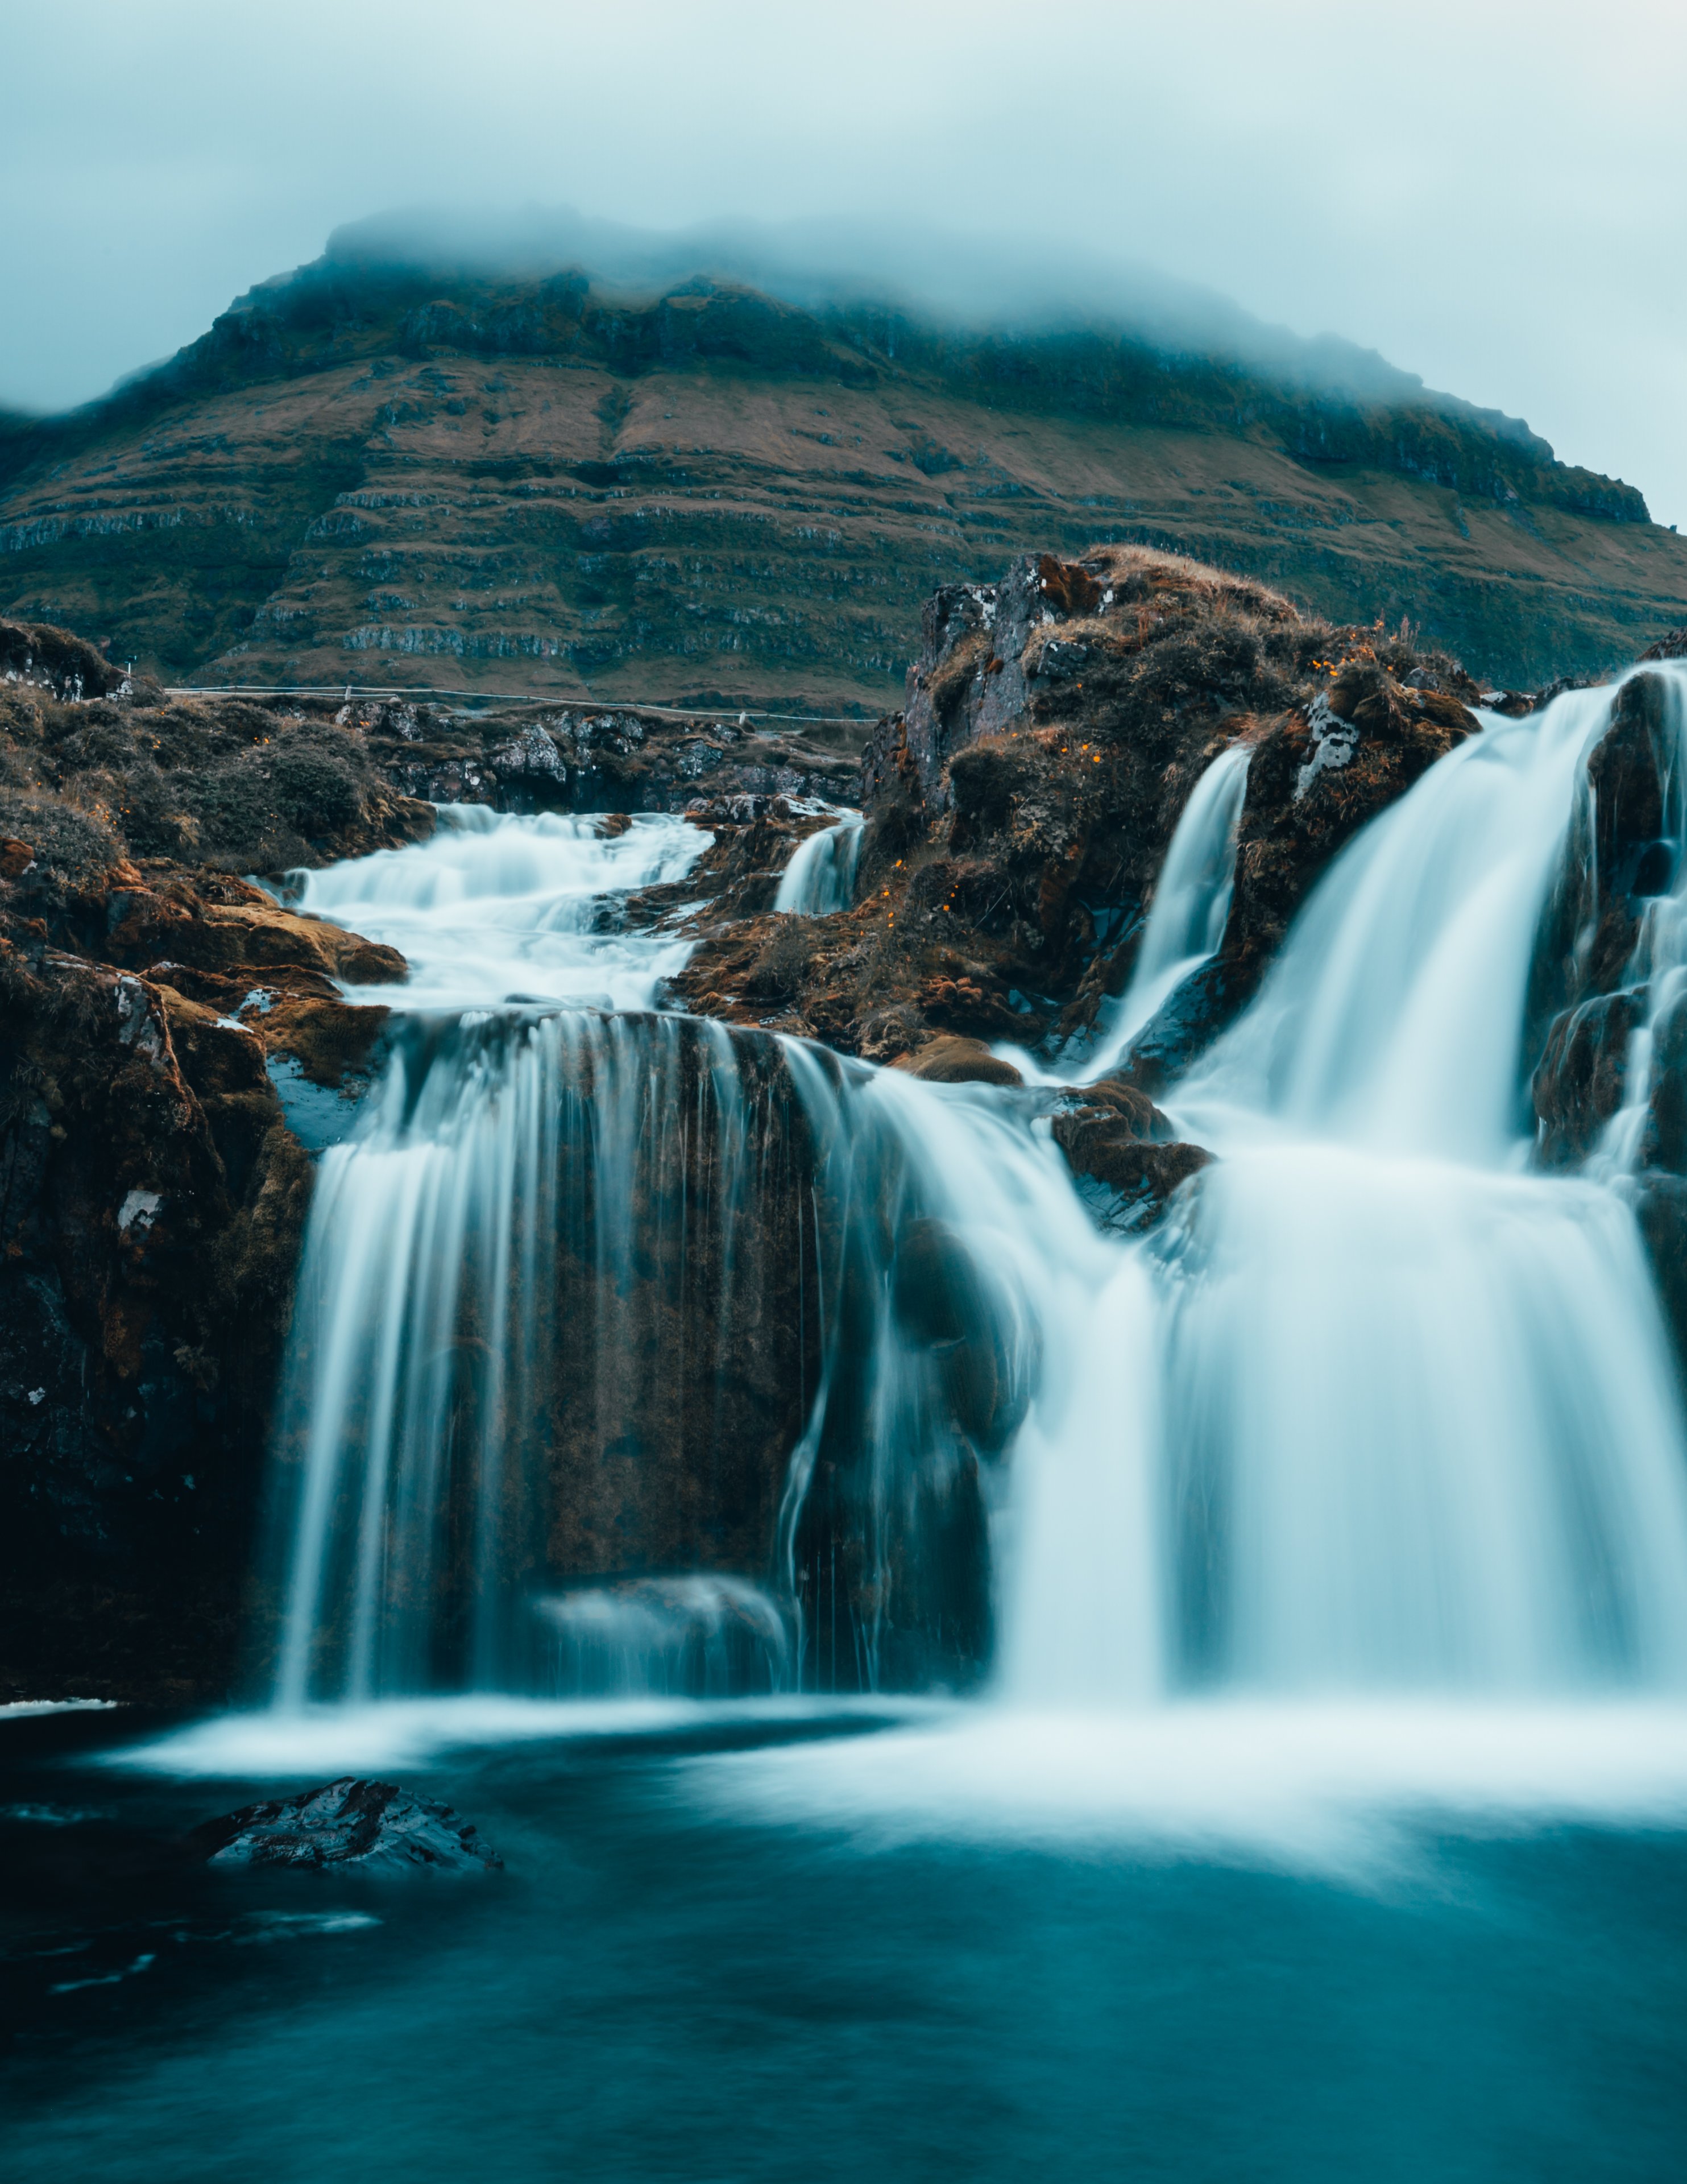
x: 821, y: 876
x: 690, y: 1637
x: 1191, y: 903
x: 495, y: 908
x: 1379, y: 1412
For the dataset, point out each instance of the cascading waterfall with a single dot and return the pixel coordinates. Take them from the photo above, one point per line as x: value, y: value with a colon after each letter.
x: 821, y: 876
x: 956, y: 1264
x: 1419, y: 1419
x: 538, y: 1218
x: 1378, y: 1408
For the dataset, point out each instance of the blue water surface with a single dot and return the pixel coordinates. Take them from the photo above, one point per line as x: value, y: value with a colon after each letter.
x: 655, y: 1989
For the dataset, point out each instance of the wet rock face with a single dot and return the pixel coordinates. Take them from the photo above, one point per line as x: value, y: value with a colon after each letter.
x: 151, y: 1203
x: 372, y: 1826
x: 1579, y: 1083
x: 1617, y: 857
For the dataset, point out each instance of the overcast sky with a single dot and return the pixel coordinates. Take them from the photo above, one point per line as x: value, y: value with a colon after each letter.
x: 1493, y: 195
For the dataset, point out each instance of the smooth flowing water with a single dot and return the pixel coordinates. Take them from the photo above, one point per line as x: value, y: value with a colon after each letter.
x: 821, y: 876
x: 1187, y: 916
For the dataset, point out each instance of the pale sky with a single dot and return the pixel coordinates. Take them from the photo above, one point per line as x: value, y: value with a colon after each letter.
x: 1493, y: 195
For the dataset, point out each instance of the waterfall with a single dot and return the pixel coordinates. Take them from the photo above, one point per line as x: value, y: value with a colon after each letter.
x: 1415, y: 1415
x: 519, y: 1272
x: 1186, y: 922
x: 821, y: 876
x: 1191, y: 902
x: 956, y: 1272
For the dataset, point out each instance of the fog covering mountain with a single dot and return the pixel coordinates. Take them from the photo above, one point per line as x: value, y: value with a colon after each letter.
x: 923, y: 275
x: 817, y: 264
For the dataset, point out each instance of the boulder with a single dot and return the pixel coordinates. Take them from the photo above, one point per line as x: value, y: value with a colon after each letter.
x: 1124, y: 1154
x: 375, y: 1826
x: 950, y: 1059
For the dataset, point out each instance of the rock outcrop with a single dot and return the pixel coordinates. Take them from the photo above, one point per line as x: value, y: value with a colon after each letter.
x: 1019, y: 810
x: 368, y: 1826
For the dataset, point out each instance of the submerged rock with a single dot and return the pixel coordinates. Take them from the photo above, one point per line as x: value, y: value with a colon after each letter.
x: 375, y: 1825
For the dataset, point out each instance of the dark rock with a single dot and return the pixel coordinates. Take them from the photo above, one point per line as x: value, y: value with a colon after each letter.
x: 373, y: 1825
x: 1121, y: 1148
x: 1578, y: 1083
x: 1059, y: 663
x: 1624, y: 771
x: 1664, y: 1142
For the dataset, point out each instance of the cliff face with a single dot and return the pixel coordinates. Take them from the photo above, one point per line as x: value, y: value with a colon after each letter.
x: 391, y: 477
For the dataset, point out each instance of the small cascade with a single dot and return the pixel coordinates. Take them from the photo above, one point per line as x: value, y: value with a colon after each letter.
x: 497, y: 910
x: 821, y: 876
x: 1191, y: 903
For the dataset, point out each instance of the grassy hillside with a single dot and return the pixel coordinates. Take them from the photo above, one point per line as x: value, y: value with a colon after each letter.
x: 386, y: 476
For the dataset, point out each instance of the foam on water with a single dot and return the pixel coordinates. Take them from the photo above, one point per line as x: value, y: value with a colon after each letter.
x: 496, y: 908
x: 273, y: 1743
x: 1349, y: 1789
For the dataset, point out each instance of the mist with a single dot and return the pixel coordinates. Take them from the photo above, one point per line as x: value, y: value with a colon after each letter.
x: 1487, y: 197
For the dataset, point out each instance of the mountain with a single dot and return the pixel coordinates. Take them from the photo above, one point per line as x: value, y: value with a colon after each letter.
x: 414, y: 466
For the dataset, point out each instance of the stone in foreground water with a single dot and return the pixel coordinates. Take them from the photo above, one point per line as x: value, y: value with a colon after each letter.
x: 351, y: 1822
